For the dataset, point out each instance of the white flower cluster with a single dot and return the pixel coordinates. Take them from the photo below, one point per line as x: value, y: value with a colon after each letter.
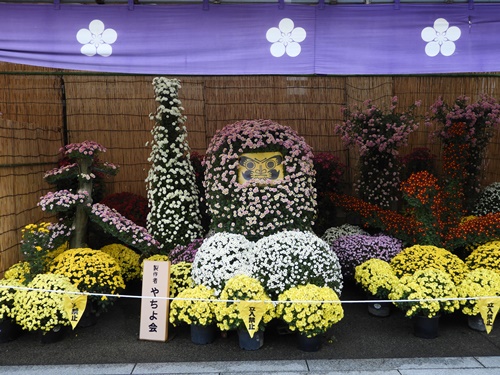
x: 488, y: 201
x: 219, y: 258
x: 174, y: 217
x: 291, y: 258
x: 334, y: 233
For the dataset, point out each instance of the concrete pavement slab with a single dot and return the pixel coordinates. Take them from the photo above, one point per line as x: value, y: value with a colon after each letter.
x: 476, y: 371
x: 97, y: 369
x: 221, y: 367
x: 489, y: 362
x: 386, y: 364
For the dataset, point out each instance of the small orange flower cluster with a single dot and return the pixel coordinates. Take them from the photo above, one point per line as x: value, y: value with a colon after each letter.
x: 422, y: 186
x: 457, y: 130
x: 393, y: 223
x: 477, y: 230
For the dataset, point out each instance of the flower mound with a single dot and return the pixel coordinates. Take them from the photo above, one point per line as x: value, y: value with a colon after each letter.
x: 219, y: 258
x: 488, y: 201
x: 334, y: 233
x: 415, y: 258
x: 310, y: 309
x: 376, y: 277
x: 480, y: 282
x: 7, y: 293
x: 38, y: 310
x: 194, y: 306
x: 259, y: 207
x: 485, y: 256
x: 241, y: 288
x: 356, y: 249
x: 180, y: 278
x: 436, y: 289
x: 127, y: 259
x: 92, y: 271
x: 18, y: 272
x: 291, y: 258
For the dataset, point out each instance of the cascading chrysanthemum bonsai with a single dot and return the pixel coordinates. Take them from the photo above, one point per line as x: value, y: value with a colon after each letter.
x: 174, y: 217
x: 84, y: 169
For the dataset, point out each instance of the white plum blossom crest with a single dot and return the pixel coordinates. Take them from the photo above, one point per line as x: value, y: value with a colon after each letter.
x: 286, y: 38
x: 440, y: 38
x: 96, y: 39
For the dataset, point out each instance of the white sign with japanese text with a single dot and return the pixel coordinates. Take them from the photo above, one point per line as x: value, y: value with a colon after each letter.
x: 154, y: 303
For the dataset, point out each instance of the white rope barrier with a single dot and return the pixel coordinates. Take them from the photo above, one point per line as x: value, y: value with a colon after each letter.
x: 254, y: 301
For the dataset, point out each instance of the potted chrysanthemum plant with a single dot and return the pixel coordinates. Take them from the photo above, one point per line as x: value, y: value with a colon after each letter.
x: 9, y: 330
x: 480, y: 282
x: 241, y: 296
x: 310, y: 310
x: 41, y: 309
x: 195, y: 306
x: 423, y: 296
x: 377, y: 278
x: 91, y: 271
x: 219, y: 258
x: 127, y: 259
x: 291, y: 258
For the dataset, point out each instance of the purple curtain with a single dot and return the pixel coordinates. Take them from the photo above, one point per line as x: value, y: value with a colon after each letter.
x: 242, y: 39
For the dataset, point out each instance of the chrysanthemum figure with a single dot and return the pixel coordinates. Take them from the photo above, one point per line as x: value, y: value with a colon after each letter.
x: 174, y: 217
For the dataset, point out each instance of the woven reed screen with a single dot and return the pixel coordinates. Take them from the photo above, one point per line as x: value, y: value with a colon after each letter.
x: 42, y: 108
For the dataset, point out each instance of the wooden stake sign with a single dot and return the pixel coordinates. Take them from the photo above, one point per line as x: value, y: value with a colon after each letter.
x: 154, y: 303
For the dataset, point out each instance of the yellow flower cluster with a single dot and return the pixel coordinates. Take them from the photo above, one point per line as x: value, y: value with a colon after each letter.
x: 481, y: 282
x: 51, y: 255
x: 310, y: 318
x: 7, y: 298
x: 196, y: 306
x: 38, y: 310
x: 241, y: 288
x: 485, y: 256
x: 376, y: 277
x: 419, y: 257
x: 32, y: 228
x: 18, y: 272
x: 180, y: 278
x: 91, y: 271
x: 429, y: 284
x: 128, y: 260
